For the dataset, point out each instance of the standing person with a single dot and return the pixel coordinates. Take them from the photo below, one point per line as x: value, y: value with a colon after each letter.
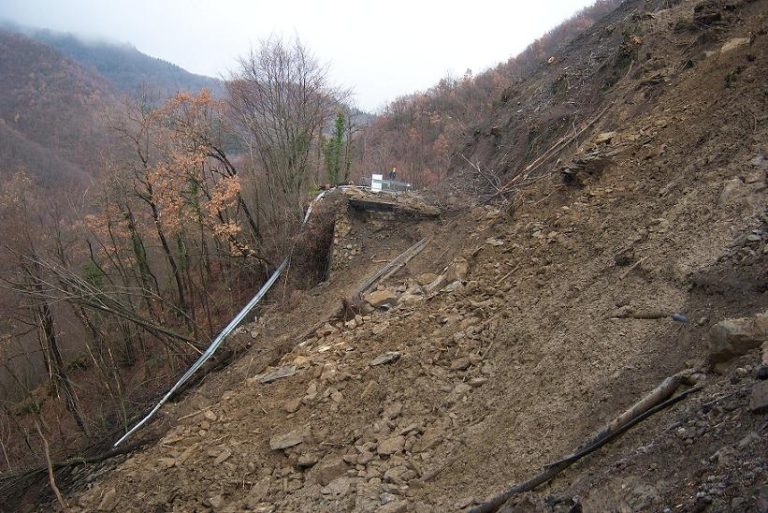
x: 393, y: 174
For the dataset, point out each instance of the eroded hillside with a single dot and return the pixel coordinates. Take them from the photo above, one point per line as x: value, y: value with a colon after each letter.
x: 527, y: 323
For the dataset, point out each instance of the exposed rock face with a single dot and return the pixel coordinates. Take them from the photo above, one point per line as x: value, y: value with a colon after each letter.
x: 381, y: 298
x: 734, y: 337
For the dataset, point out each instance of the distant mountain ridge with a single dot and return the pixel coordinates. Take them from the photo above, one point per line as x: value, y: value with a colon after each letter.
x: 128, y: 69
x: 52, y: 112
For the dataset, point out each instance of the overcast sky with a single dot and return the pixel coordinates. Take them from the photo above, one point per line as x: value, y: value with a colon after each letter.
x: 380, y: 49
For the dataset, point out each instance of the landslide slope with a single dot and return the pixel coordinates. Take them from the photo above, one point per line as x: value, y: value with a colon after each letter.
x: 529, y: 345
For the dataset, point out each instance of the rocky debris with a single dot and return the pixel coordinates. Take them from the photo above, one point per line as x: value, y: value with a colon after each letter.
x: 216, y: 502
x: 274, y: 375
x: 425, y: 279
x: 734, y: 43
x: 457, y: 271
x: 328, y: 469
x: 708, y: 13
x: 733, y: 191
x: 388, y: 357
x: 307, y: 460
x: 605, y: 137
x: 461, y: 364
x: 109, y: 500
x: 326, y: 330
x: 452, y: 287
x: 394, y: 507
x: 222, y: 457
x: 758, y: 402
x: 586, y: 165
x: 286, y: 440
x: 734, y: 337
x: 166, y: 463
x: 393, y: 410
x: 381, y: 298
x: 391, y: 445
x: 259, y: 490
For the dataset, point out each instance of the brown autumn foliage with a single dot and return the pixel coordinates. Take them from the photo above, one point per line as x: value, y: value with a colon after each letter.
x: 50, y: 113
x: 110, y: 291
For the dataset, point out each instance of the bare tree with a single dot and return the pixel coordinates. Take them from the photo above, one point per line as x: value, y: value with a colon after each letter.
x: 280, y: 98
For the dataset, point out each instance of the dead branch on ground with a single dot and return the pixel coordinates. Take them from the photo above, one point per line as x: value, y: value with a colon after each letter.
x: 49, y: 468
x: 547, y: 155
x: 657, y: 400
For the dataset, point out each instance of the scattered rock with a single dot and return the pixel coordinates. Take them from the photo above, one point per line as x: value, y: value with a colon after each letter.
x: 735, y: 337
x: 287, y: 440
x: 461, y: 364
x: 325, y: 330
x: 465, y: 503
x: 392, y: 411
x: 734, y: 43
x: 388, y: 357
x: 109, y: 501
x: 733, y: 190
x: 259, y: 490
x: 426, y: 278
x: 758, y: 402
x: 457, y: 270
x: 166, y: 462
x: 328, y: 469
x: 394, y: 507
x: 398, y: 474
x: 478, y: 382
x: 380, y: 328
x: 453, y: 286
x: 381, y: 298
x: 216, y: 502
x: 292, y: 405
x: 605, y: 137
x: 222, y: 457
x: 410, y: 299
x: 307, y: 460
x: 431, y: 438
x: 391, y: 445
x: 339, y: 487
x: 282, y: 372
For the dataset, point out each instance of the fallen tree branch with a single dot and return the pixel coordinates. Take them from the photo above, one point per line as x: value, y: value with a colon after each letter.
x: 393, y: 266
x: 632, y: 267
x: 656, y: 401
x: 74, y: 462
x: 491, y: 178
x: 49, y: 468
x: 553, y: 150
x: 643, y: 314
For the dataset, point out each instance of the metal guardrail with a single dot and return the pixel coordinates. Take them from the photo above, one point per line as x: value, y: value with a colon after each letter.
x: 224, y: 333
